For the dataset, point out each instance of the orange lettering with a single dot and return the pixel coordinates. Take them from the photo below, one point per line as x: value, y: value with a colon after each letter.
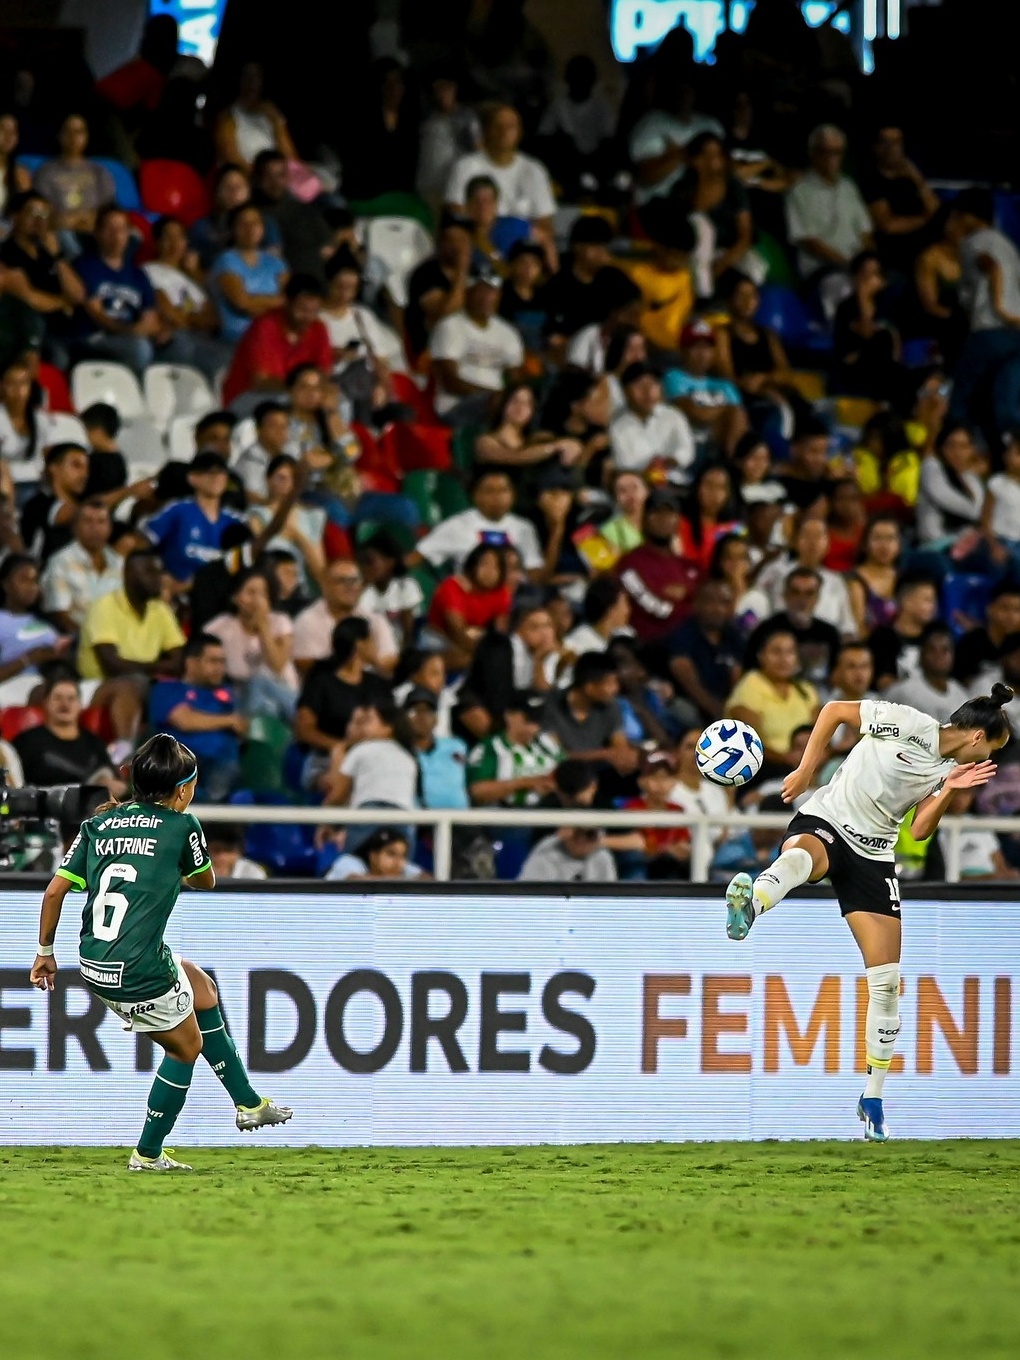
x: 932, y: 1010
x: 714, y: 1022
x: 860, y: 1056
x: 656, y: 1026
x: 1002, y: 1027
x: 779, y: 1014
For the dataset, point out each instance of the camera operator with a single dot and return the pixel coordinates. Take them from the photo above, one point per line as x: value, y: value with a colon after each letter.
x: 61, y: 751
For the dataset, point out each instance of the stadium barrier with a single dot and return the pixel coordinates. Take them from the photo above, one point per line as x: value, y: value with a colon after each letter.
x: 702, y: 826
x: 497, y: 1015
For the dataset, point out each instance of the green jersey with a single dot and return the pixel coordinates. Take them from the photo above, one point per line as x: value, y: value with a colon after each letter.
x: 130, y: 861
x: 499, y: 758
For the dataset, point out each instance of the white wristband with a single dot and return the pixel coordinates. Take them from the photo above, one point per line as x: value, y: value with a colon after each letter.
x: 44, y: 950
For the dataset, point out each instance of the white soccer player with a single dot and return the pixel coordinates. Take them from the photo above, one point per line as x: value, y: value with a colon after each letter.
x: 847, y: 831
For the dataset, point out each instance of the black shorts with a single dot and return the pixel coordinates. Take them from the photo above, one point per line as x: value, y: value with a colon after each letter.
x: 860, y: 884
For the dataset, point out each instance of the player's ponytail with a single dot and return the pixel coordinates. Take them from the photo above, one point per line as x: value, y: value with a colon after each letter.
x: 160, y: 766
x: 985, y: 712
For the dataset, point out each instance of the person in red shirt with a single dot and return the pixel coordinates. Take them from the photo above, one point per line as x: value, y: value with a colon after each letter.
x: 708, y: 515
x: 277, y: 342
x: 662, y: 851
x: 660, y: 583
x: 471, y: 601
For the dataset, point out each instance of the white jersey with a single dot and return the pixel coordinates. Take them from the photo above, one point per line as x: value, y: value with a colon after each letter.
x: 894, y: 765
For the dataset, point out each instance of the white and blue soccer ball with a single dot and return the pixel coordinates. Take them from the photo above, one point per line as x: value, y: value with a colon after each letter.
x: 729, y: 753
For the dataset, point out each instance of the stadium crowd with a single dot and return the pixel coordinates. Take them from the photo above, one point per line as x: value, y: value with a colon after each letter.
x: 656, y: 420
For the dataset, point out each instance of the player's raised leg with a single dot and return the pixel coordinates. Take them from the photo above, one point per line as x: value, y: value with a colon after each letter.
x: 878, y: 938
x: 220, y: 1052
x: 169, y: 1091
x: 803, y: 859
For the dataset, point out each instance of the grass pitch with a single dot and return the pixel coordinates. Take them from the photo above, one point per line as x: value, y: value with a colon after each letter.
x: 760, y: 1250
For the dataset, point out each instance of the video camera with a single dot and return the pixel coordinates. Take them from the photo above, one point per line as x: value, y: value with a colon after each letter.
x: 27, y: 813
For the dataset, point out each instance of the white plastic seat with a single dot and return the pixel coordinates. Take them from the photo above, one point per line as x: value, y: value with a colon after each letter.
x: 15, y: 691
x: 115, y: 384
x: 180, y: 439
x: 66, y: 429
x: 175, y: 390
x: 143, y: 448
x: 401, y: 243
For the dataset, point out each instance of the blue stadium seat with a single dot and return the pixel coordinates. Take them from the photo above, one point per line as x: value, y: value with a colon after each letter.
x: 1007, y: 215
x: 287, y: 850
x: 127, y: 190
x: 965, y: 593
x: 507, y: 231
x: 31, y: 163
x: 783, y: 312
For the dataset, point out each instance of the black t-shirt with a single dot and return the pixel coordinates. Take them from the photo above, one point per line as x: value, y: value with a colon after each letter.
x: 818, y: 643
x: 713, y: 661
x: 41, y: 271
x: 47, y: 759
x: 42, y: 539
x: 894, y: 654
x: 214, y: 584
x: 427, y: 278
x: 974, y: 652
x: 333, y: 700
x: 571, y: 304
x: 904, y: 199
x: 107, y: 472
x: 803, y: 493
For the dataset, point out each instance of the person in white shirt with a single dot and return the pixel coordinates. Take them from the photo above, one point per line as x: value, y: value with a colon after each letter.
x: 88, y: 568
x: 658, y: 143
x: 1002, y: 506
x: 355, y: 333
x: 185, y: 310
x: 26, y: 431
x: 827, y: 219
x: 605, y: 614
x: 933, y: 690
x: 951, y: 497
x: 847, y: 832
x: 809, y: 549
x: 474, y: 353
x: 525, y: 189
x: 489, y: 520
x: 647, y: 430
x: 272, y: 431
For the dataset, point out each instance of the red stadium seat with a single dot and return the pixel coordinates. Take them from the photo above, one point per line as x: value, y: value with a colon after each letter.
x: 97, y: 720
x: 174, y: 189
x: 418, y: 448
x: 407, y: 391
x: 20, y: 718
x: 142, y: 227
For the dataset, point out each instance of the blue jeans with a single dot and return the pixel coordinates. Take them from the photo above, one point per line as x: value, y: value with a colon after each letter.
x: 267, y: 697
x: 989, y: 357
x: 218, y: 780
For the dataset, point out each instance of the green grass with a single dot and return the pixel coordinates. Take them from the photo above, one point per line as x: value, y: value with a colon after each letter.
x: 769, y: 1251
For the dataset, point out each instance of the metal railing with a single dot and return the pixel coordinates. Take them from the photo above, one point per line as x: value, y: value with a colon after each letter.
x: 703, y: 828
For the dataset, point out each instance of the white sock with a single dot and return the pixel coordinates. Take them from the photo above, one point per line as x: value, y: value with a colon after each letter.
x: 882, y: 1024
x: 791, y: 869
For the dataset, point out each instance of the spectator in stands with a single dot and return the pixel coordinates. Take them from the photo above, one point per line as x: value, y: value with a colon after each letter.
x: 536, y: 654
x: 287, y: 580
x: 47, y: 517
x: 37, y: 272
x: 474, y: 353
x: 213, y: 433
x: 708, y: 514
x: 709, y: 187
x: 514, y: 766
x: 805, y: 476
x: 585, y: 718
x: 383, y: 157
x: 389, y: 588
x: 578, y: 128
x: 490, y: 520
x: 937, y: 275
x: 74, y: 187
x: 605, y: 614
x: 847, y: 520
x: 442, y: 761
x: 866, y: 344
x: 251, y: 124
x: 895, y: 647
x: 226, y: 845
x: 899, y: 199
x: 450, y: 130
x: 660, y: 852
x: 314, y: 627
x: 704, y: 654
x: 712, y: 405
x: 119, y: 318
x: 383, y: 855
x: 659, y: 141
x: 511, y: 443
x: 436, y: 288
x: 624, y: 530
x: 818, y: 641
x: 952, y: 495
x: 850, y: 681
x: 201, y: 710
x: 481, y: 210
x: 872, y: 583
x: 318, y: 431
x: 359, y: 339
x: 277, y: 342
x: 108, y: 470
x: 210, y: 236
x: 586, y: 288
x: 809, y: 550
x: 189, y: 532
x: 570, y: 855
x: 26, y: 641
x: 731, y: 563
x: 25, y: 429
x: 523, y: 183
x: 625, y: 346
x: 272, y: 437
x: 14, y: 178
x: 333, y: 688
x: 469, y: 602
x: 826, y: 218
x: 661, y: 584
x: 299, y: 528
x: 648, y: 434
x: 297, y: 229
x: 978, y: 651
x: 257, y: 645
x: 752, y: 356
x: 522, y: 301
x: 185, y: 310
x: 247, y: 281
x: 773, y: 700
x: 83, y: 571
x: 373, y: 766
x: 932, y: 689
x: 136, y: 88
x: 60, y: 750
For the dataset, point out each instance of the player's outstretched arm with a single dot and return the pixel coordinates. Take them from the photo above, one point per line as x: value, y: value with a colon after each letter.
x: 830, y: 720
x: 930, y: 810
x: 44, y: 969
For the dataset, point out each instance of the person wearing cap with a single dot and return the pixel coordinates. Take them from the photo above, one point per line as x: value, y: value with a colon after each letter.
x: 657, y: 852
x: 660, y: 583
x: 442, y: 761
x: 436, y: 287
x: 647, y: 431
x: 189, y: 533
x: 712, y: 405
x: 586, y: 287
x: 474, y: 352
x: 514, y: 767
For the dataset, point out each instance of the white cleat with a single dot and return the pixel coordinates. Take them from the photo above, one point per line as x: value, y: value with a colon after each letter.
x: 164, y: 1162
x: 261, y: 1116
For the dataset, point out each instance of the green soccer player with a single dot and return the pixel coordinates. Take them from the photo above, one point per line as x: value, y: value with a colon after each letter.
x: 131, y: 859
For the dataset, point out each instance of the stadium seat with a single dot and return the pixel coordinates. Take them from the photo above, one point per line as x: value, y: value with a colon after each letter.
x: 286, y: 849
x: 124, y: 183
x: 98, y: 722
x: 141, y: 227
x: 175, y: 390
x: 115, y: 384
x: 173, y: 189
x: 67, y: 429
x: 965, y: 595
x: 507, y: 231
x: 417, y: 448
x: 20, y: 718
x: 142, y: 445
x: 401, y: 243
x: 396, y: 203
x: 782, y: 311
x: 31, y: 163
x: 16, y: 690
x: 181, y: 439
x: 407, y: 391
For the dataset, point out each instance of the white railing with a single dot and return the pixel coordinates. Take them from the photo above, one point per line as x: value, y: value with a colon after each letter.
x: 703, y: 828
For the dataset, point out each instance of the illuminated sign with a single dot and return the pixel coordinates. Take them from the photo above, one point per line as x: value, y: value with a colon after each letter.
x: 198, y: 23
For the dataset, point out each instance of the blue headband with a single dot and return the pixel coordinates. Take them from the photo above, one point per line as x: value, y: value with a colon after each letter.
x: 187, y: 779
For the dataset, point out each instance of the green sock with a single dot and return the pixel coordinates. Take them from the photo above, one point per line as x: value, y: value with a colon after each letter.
x: 166, y: 1101
x: 220, y: 1052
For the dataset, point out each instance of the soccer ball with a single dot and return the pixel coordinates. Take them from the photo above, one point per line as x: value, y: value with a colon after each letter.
x: 729, y: 753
